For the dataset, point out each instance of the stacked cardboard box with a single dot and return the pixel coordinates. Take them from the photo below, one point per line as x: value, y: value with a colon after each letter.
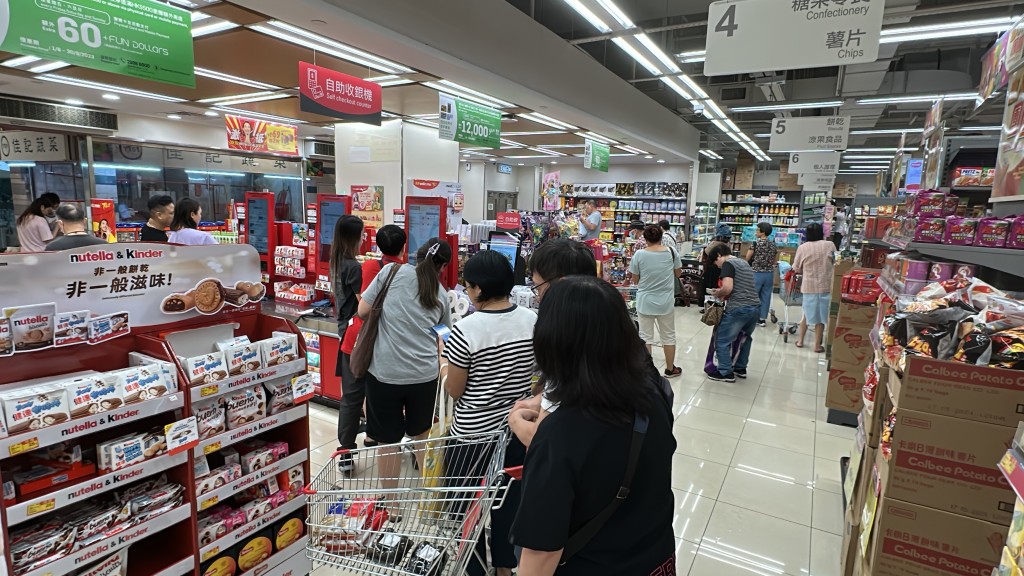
x: 851, y: 353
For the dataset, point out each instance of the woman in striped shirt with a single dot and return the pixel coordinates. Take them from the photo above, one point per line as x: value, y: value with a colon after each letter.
x: 486, y: 366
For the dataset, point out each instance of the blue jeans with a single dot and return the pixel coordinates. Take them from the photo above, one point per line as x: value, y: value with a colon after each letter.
x: 735, y: 321
x: 764, y: 283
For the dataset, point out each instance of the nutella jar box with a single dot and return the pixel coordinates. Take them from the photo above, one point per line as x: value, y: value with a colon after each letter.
x: 71, y: 328
x: 29, y: 409
x: 31, y: 326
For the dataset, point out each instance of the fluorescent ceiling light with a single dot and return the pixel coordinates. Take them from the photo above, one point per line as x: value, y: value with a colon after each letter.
x: 588, y: 15
x: 563, y: 146
x: 548, y: 152
x: 661, y: 160
x: 173, y: 117
x: 234, y: 79
x: 712, y: 111
x: 693, y: 86
x: 734, y: 128
x: 692, y: 56
x: 711, y: 154
x: 210, y: 113
x: 106, y: 87
x: 48, y: 67
x: 658, y: 53
x: 21, y: 164
x: 494, y: 101
x: 598, y: 137
x: 258, y: 115
x: 214, y: 173
x: 720, y: 125
x: 467, y: 95
x: 280, y: 177
x: 548, y: 121
x: 923, y: 98
x: 886, y: 131
x: 677, y: 87
x: 856, y: 150
x: 648, y: 157
x: 389, y: 80
x: 213, y: 28
x: 631, y: 149
x: 20, y: 61
x: 636, y: 55
x: 980, y: 129
x: 512, y: 143
x: 296, y: 35
x: 616, y: 13
x: 788, y: 106
x: 946, y: 30
x: 533, y: 156
x: 244, y: 98
x: 199, y: 16
x: 866, y: 167
x: 133, y: 167
x: 535, y: 133
x: 848, y: 156
x: 111, y: 97
x: 73, y: 102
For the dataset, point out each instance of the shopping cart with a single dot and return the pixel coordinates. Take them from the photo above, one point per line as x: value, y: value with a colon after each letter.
x: 789, y: 291
x: 387, y: 519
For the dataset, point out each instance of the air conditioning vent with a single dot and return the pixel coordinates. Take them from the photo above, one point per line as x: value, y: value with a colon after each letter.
x: 734, y: 94
x: 31, y: 111
x: 323, y: 149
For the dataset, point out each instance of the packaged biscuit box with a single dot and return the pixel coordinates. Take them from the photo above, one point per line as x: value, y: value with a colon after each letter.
x: 71, y: 328
x: 32, y: 326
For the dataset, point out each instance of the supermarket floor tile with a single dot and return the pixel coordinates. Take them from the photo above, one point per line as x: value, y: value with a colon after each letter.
x: 756, y: 470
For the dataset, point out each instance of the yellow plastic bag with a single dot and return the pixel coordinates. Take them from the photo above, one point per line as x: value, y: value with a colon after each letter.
x: 433, y: 457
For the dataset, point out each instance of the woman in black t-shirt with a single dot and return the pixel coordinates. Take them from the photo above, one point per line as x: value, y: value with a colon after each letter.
x: 578, y: 458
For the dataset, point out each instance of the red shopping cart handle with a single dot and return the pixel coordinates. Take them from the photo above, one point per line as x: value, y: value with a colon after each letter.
x: 515, y: 472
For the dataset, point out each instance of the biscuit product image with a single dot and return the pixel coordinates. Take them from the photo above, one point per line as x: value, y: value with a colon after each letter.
x: 206, y: 369
x: 92, y: 395
x: 245, y: 406
x: 209, y: 296
x: 32, y: 326
x: 126, y: 453
x: 243, y: 359
x: 235, y: 297
x: 107, y: 327
x: 6, y: 341
x: 254, y: 290
x: 209, y: 417
x: 29, y: 409
x: 178, y: 303
x: 154, y: 443
x: 217, y: 478
x: 71, y: 328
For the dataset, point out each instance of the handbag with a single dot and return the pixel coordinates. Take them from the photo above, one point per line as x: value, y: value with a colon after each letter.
x: 362, y: 352
x: 677, y: 282
x: 713, y: 313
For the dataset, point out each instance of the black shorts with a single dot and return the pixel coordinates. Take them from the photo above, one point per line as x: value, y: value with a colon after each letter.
x: 397, y: 410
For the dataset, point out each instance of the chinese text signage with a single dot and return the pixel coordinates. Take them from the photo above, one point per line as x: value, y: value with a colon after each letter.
x: 814, y: 162
x: 140, y: 38
x: 467, y: 122
x: 18, y: 146
x: 338, y: 95
x: 595, y: 156
x: 810, y: 134
x: 817, y: 33
x: 254, y: 135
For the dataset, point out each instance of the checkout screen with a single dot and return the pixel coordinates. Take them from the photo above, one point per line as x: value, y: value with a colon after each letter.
x: 424, y: 221
x: 257, y: 224
x: 330, y: 212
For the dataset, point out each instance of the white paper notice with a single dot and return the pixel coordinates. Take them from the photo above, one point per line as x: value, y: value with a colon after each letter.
x: 810, y: 134
x: 359, y: 154
x: 764, y: 35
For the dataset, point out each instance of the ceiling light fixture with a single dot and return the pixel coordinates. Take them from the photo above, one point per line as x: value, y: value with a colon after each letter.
x: 589, y: 16
x: 528, y: 157
x: 133, y: 167
x: 657, y: 51
x: 48, y: 67
x: 522, y: 164
x: 111, y: 97
x: 788, y: 106
x: 234, y: 79
x: 711, y: 154
x: 919, y: 98
x: 648, y: 157
x: 210, y: 113
x: 616, y: 13
x: 850, y: 156
x: 453, y: 89
x: 106, y: 87
x: 677, y: 87
x: 632, y: 149
x: 512, y: 143
x: 946, y: 30
x: 213, y: 28
x: 245, y: 98
x: 856, y: 150
x: 496, y: 101
x: 214, y: 173
x: 20, y: 61
x: 712, y: 111
x: 866, y: 167
x: 554, y: 161
x: 73, y: 102
x: 389, y: 80
x: 258, y: 115
x: 535, y: 133
x: 694, y: 86
x: 661, y: 160
x: 296, y: 35
x: 598, y: 137
x: 173, y: 117
x: 637, y: 56
x: 547, y: 121
x: 875, y: 132
x: 21, y: 164
x: 198, y: 16
x: 692, y: 56
x: 546, y: 151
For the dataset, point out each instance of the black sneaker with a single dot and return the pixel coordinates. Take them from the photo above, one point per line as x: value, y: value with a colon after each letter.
x: 673, y: 373
x: 740, y: 374
x: 762, y: 323
x: 719, y: 377
x: 345, y: 463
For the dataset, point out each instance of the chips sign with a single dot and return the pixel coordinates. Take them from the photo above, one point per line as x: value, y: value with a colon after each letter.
x: 338, y: 95
x: 595, y: 156
x: 810, y: 134
x: 252, y: 135
x: 467, y: 122
x: 817, y: 33
x: 141, y: 38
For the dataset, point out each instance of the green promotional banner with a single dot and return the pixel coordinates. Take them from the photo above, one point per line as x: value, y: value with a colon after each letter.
x: 139, y: 38
x: 469, y: 123
x: 596, y: 155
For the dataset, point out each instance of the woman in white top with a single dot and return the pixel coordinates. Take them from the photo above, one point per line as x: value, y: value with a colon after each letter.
x: 33, y: 230
x: 184, y: 228
x: 487, y: 366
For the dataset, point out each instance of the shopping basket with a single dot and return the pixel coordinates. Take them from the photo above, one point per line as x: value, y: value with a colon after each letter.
x: 383, y: 520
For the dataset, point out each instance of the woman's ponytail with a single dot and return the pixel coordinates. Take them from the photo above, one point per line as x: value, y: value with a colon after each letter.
x: 430, y: 259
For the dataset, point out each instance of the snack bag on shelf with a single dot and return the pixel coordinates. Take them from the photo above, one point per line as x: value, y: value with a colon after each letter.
x: 888, y: 429
x: 1008, y: 349
x: 992, y: 232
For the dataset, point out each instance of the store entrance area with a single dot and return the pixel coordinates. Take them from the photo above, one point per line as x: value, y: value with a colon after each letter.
x: 756, y: 473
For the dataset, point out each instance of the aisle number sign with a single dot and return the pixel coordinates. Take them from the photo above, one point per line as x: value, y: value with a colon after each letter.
x: 595, y: 156
x: 810, y: 134
x: 816, y: 33
x: 814, y: 162
x: 141, y: 38
x: 469, y: 123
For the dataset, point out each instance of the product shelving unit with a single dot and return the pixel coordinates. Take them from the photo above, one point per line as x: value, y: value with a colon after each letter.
x: 740, y: 213
x: 652, y: 208
x: 705, y: 218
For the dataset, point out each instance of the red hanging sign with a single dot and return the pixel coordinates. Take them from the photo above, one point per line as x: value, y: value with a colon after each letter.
x: 328, y: 93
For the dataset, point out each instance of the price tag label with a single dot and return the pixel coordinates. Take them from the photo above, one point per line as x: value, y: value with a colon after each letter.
x: 469, y: 122
x: 41, y: 507
x: 818, y: 33
x: 209, y: 390
x: 810, y: 134
x: 25, y: 445
x: 212, y: 448
x: 211, y: 501
x: 182, y: 435
x: 211, y: 553
x: 303, y: 388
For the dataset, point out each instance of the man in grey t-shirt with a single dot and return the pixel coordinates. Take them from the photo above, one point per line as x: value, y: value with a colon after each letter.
x: 590, y: 221
x: 741, y: 313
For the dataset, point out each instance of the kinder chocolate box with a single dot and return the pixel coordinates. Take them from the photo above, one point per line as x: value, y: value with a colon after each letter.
x: 103, y: 328
x: 992, y: 232
x: 206, y: 368
x: 243, y: 359
x: 961, y: 231
x: 29, y: 409
x: 142, y: 383
x: 94, y: 394
x: 930, y: 230
x: 71, y: 328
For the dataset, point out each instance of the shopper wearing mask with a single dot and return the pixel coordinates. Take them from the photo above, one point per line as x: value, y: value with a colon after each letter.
x: 636, y: 233
x: 763, y: 256
x: 815, y: 259
x: 52, y: 221
x: 723, y: 237
x: 581, y: 453
x: 161, y: 213
x: 741, y: 312
x: 487, y: 366
x: 655, y: 270
x: 184, y: 226
x: 668, y: 239
x: 401, y: 384
x: 590, y: 221
x: 347, y: 285
x: 34, y: 231
x: 72, y: 224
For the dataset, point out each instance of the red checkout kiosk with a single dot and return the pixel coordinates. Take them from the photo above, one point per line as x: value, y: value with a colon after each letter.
x: 426, y: 217
x: 261, y: 232
x: 329, y: 208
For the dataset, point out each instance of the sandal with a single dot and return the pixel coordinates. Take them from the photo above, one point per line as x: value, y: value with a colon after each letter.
x: 799, y: 344
x: 674, y: 372
x: 820, y: 349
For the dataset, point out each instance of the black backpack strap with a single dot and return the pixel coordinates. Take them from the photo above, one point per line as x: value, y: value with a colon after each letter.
x: 584, y: 535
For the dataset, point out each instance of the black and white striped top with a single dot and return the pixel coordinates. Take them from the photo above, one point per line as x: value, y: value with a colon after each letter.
x: 496, y: 347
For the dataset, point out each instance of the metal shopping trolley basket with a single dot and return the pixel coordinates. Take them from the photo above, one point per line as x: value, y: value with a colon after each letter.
x: 789, y: 291
x: 388, y: 519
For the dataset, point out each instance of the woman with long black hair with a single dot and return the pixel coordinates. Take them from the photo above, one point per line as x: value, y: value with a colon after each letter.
x: 346, y: 284
x: 612, y: 429
x: 33, y: 230
x: 401, y: 385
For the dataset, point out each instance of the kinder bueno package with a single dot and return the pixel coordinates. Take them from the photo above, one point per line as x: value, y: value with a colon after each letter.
x: 1015, y: 238
x: 245, y: 406
x: 992, y: 232
x: 929, y: 204
x: 930, y: 230
x: 961, y: 231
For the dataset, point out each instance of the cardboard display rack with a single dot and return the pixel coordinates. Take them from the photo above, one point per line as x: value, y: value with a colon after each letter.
x: 851, y: 353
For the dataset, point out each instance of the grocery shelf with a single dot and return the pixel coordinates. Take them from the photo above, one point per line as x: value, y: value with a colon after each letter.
x: 246, y: 530
x: 654, y: 210
x: 754, y: 203
x: 1005, y: 260
x: 94, y: 486
x: 1012, y: 466
x: 78, y: 427
x: 214, y: 497
x: 613, y: 197
x: 215, y: 443
x: 206, y: 391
